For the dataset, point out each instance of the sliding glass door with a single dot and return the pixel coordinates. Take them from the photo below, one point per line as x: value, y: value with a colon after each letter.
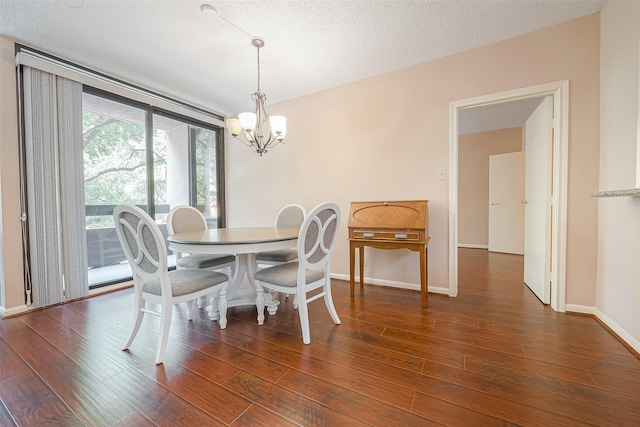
x: 140, y: 155
x: 206, y: 192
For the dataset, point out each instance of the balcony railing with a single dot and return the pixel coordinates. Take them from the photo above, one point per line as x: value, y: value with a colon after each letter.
x: 106, y: 259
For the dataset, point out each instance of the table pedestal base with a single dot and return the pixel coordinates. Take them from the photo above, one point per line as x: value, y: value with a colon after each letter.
x: 237, y: 294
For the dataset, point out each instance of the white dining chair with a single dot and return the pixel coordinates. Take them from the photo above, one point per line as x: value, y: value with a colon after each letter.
x: 289, y: 216
x: 146, y: 251
x: 183, y: 218
x: 311, y: 271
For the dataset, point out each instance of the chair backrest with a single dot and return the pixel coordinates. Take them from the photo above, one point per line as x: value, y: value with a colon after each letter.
x: 291, y: 216
x: 141, y: 241
x: 318, y: 235
x: 185, y: 218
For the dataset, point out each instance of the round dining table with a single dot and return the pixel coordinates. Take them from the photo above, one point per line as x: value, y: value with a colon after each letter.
x: 244, y: 243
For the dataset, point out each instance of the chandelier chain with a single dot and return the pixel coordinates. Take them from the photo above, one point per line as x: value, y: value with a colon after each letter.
x: 258, y: 69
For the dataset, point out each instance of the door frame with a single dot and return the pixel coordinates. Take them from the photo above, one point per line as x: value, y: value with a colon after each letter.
x: 560, y: 92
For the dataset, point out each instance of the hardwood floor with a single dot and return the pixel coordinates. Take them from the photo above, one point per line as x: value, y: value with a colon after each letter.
x: 493, y: 356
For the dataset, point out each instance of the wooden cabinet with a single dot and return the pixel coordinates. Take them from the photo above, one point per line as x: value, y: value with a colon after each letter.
x: 389, y: 225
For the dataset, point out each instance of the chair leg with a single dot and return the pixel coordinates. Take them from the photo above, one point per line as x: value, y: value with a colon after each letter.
x: 260, y: 302
x: 137, y: 321
x: 303, y: 312
x: 213, y: 306
x: 165, y: 325
x: 295, y: 302
x: 328, y: 301
x: 222, y: 306
x: 201, y: 302
x: 190, y: 310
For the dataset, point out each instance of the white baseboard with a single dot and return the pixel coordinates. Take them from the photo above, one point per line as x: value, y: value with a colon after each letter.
x: 624, y: 335
x: 582, y: 309
x: 471, y: 246
x: 393, y: 284
x: 13, y: 311
x: 619, y: 331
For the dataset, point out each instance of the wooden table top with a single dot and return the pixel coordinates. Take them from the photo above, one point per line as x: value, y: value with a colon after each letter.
x: 234, y: 236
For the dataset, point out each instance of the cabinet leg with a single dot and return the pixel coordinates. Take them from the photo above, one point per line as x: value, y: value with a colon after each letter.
x: 361, y: 258
x: 423, y: 276
x: 352, y: 268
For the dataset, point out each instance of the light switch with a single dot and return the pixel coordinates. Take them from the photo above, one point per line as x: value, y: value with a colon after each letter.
x: 442, y: 174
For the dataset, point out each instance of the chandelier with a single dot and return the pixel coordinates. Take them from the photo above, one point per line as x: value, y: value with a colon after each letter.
x: 260, y: 130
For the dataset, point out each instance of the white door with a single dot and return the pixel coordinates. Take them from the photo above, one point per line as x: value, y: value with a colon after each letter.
x: 506, y: 210
x: 538, y: 142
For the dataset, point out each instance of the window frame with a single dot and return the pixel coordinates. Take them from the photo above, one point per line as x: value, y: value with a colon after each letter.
x: 150, y: 112
x: 220, y: 174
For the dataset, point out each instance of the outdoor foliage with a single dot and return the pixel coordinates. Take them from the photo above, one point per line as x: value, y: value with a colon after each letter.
x: 117, y: 161
x: 206, y: 188
x: 115, y: 164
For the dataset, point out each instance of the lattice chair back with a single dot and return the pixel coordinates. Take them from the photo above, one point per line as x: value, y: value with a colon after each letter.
x: 317, y: 237
x: 142, y: 243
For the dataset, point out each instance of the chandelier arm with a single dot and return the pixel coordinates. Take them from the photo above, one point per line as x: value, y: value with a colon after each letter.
x: 248, y: 144
x: 276, y: 142
x: 270, y: 142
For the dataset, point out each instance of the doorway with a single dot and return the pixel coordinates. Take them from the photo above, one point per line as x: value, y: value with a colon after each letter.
x: 559, y: 92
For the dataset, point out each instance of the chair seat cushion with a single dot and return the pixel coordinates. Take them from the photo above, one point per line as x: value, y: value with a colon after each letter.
x: 186, y: 281
x: 204, y: 261
x: 281, y: 255
x: 287, y: 275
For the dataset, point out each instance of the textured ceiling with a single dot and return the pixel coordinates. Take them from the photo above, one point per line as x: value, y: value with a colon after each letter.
x: 174, y: 48
x: 502, y: 115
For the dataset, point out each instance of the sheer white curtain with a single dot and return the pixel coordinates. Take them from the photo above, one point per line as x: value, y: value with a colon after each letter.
x: 55, y: 187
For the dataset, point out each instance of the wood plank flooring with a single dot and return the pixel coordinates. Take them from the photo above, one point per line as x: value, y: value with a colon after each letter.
x: 493, y: 356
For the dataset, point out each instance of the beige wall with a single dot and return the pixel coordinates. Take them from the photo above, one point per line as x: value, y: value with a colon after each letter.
x: 618, y: 293
x: 385, y: 137
x: 473, y: 180
x: 11, y: 274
